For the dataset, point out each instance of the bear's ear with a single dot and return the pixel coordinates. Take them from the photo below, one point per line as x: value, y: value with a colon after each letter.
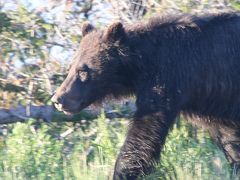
x: 115, y: 32
x: 87, y: 28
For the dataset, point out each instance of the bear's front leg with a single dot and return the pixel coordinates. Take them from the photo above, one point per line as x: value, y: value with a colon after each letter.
x: 142, y: 146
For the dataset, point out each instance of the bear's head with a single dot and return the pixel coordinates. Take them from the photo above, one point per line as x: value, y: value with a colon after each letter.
x: 97, y: 69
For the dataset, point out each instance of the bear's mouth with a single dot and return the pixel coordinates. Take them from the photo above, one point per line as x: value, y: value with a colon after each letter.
x: 69, y: 111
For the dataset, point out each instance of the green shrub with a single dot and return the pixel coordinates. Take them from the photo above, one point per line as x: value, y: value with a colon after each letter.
x: 39, y: 151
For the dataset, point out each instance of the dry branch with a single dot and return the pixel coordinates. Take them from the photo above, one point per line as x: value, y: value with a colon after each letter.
x: 19, y: 114
x: 49, y: 114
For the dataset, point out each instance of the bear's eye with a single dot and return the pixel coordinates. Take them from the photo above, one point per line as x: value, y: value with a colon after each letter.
x: 83, y: 75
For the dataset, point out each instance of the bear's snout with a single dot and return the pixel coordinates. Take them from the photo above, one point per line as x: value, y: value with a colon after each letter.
x: 58, y: 101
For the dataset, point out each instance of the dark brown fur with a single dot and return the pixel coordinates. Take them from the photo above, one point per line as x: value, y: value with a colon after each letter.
x: 174, y: 64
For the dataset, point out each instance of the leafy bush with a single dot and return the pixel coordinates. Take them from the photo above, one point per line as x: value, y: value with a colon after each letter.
x: 28, y: 153
x: 35, y: 151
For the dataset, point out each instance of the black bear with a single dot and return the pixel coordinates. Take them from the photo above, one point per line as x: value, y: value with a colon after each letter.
x: 173, y: 64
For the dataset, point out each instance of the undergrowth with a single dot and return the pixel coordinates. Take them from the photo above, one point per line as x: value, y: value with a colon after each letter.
x: 87, y: 151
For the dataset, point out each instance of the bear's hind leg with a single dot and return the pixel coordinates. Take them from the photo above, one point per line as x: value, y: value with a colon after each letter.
x: 228, y: 139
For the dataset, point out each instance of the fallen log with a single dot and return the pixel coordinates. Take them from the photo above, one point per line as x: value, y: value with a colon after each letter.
x: 49, y: 114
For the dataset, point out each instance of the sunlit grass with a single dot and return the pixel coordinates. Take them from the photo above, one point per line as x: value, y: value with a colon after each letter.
x: 30, y: 152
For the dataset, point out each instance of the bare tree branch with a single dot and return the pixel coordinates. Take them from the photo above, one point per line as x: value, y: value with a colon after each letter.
x: 49, y: 114
x: 19, y: 114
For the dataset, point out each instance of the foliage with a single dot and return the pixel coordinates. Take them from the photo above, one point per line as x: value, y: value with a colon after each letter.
x: 39, y: 151
x: 31, y: 154
x: 187, y: 157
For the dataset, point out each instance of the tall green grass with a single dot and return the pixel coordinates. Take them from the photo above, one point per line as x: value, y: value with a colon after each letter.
x: 38, y: 151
